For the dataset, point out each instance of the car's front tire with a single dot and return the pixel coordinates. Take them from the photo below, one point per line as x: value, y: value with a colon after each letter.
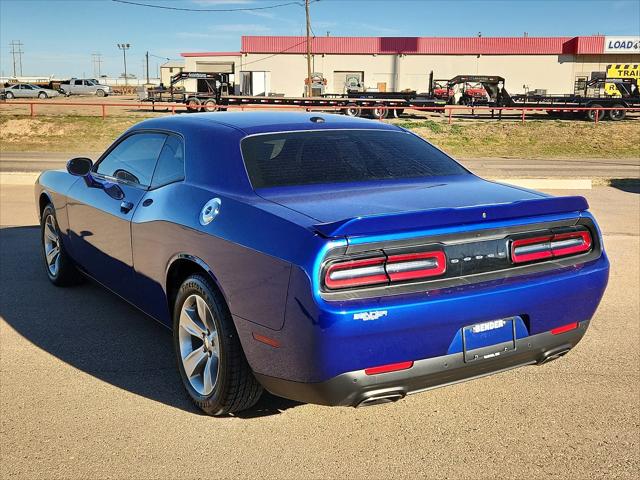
x: 212, y: 365
x: 58, y: 265
x: 42, y: 95
x: 101, y: 93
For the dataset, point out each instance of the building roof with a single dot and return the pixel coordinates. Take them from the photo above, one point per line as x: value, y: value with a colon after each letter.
x: 211, y: 54
x: 173, y: 64
x: 417, y: 45
x: 426, y: 45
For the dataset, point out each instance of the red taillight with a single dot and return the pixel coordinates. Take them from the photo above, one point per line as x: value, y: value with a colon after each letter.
x: 550, y: 246
x: 391, y: 367
x: 530, y: 249
x: 411, y: 266
x: 382, y: 270
x: 564, y: 328
x: 570, y: 243
x: 356, y: 273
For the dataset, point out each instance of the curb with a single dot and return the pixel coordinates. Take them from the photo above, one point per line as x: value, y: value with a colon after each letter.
x: 18, y: 178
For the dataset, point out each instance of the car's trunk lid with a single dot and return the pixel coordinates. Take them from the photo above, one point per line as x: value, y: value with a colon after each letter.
x: 365, y: 209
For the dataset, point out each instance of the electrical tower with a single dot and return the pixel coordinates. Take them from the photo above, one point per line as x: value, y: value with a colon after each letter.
x: 96, y: 60
x: 16, y: 49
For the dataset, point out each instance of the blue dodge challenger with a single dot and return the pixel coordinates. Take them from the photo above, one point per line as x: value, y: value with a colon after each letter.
x: 326, y: 259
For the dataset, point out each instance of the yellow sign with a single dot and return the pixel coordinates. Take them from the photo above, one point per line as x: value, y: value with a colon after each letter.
x: 620, y: 71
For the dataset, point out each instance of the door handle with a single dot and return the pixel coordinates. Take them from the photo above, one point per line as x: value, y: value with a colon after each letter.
x: 125, y: 207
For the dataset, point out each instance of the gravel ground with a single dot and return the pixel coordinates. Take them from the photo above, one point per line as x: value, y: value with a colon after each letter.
x: 89, y: 390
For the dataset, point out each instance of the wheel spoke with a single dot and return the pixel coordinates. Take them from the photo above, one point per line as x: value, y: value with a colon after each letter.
x: 201, y: 307
x: 192, y: 361
x: 214, y: 341
x: 210, y: 373
x: 50, y: 228
x: 190, y: 322
x: 52, y: 255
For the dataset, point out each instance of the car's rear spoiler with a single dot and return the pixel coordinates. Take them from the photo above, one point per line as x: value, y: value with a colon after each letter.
x: 442, y: 217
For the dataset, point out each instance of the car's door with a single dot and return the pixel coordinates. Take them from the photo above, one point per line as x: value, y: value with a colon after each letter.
x: 77, y: 87
x: 87, y: 87
x: 21, y: 91
x: 100, y: 225
x: 30, y: 91
x: 151, y: 238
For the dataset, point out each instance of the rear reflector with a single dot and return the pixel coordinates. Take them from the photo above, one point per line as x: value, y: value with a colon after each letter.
x: 564, y: 328
x: 550, y: 246
x: 392, y: 367
x: 272, y: 342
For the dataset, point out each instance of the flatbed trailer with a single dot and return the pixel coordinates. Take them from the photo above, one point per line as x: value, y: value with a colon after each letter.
x: 562, y: 105
x: 559, y: 105
x: 216, y: 87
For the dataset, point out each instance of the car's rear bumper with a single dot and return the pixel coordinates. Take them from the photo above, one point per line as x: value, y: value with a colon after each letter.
x: 356, y: 388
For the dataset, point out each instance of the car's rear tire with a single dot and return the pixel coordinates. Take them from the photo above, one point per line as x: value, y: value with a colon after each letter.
x: 211, y: 362
x: 101, y: 93
x: 59, y: 267
x: 9, y: 95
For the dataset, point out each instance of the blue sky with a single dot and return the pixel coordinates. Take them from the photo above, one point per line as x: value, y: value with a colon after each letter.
x: 59, y: 36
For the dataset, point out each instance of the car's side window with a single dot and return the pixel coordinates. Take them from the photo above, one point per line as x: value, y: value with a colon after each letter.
x: 134, y: 159
x: 170, y: 167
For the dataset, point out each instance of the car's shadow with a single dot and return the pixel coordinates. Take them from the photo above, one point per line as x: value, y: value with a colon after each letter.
x: 93, y: 330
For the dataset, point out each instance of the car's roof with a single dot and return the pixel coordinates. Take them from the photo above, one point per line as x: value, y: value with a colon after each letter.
x: 265, y: 122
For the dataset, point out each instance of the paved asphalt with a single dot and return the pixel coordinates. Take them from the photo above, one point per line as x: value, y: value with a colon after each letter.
x: 89, y: 389
x: 487, y: 167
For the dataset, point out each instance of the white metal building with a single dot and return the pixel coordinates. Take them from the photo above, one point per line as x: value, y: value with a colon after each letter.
x: 272, y: 65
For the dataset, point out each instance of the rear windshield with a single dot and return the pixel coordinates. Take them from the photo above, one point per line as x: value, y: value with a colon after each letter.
x: 336, y: 156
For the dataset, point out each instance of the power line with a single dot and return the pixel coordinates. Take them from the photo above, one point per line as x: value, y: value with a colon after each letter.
x: 185, y: 9
x: 96, y: 59
x: 16, y: 49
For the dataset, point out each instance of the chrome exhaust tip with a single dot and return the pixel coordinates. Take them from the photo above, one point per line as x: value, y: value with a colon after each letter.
x: 553, y: 355
x: 378, y: 398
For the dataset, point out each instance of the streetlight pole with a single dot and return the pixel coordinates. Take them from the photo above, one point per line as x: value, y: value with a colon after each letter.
x: 124, y: 47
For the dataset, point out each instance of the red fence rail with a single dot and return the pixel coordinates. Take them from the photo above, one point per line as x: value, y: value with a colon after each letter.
x: 447, y: 110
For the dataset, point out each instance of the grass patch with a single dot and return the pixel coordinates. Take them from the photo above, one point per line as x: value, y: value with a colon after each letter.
x: 465, y: 139
x: 534, y: 139
x: 67, y: 133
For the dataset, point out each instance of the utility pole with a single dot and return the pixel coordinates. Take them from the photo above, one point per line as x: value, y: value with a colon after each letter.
x: 97, y: 64
x: 147, y: 59
x: 306, y: 8
x: 16, y: 49
x: 124, y: 47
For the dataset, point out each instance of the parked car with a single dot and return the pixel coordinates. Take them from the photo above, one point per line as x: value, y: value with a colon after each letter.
x: 326, y: 259
x: 26, y: 90
x: 85, y: 86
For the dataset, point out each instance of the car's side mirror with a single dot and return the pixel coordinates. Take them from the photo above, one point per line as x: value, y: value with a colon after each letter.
x: 80, y: 166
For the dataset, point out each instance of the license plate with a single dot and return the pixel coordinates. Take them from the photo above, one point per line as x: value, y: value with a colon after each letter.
x: 487, y: 340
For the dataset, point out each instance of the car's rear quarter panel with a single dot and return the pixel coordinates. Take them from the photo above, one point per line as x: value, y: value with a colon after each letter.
x: 321, y: 339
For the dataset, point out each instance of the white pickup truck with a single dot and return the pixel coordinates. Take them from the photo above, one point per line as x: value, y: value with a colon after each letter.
x: 84, y: 86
